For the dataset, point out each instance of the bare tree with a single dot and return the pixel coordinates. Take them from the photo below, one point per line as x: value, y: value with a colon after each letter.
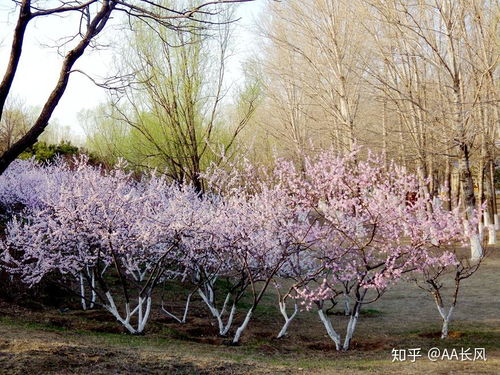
x: 313, y: 63
x: 438, y: 55
x: 14, y: 123
x: 416, y: 79
x: 94, y: 15
x: 172, y: 117
x: 436, y: 281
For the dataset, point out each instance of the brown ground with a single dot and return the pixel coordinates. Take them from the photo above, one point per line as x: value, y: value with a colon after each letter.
x: 46, y: 341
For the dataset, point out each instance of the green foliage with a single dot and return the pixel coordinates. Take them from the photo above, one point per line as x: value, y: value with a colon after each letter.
x: 173, y: 117
x: 46, y: 153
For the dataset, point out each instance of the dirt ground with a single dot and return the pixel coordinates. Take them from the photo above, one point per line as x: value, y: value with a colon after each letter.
x: 51, y: 341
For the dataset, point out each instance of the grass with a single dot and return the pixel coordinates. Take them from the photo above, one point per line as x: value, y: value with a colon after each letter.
x: 76, y: 342
x: 44, y: 345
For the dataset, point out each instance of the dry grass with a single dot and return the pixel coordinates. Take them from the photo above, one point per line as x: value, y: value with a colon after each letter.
x: 75, y: 342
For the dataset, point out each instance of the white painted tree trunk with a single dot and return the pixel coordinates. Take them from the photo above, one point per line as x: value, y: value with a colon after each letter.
x: 142, y: 311
x: 497, y: 222
x: 184, y: 316
x: 446, y: 319
x: 492, y: 235
x: 111, y: 307
x: 143, y: 317
x: 186, y: 309
x: 218, y: 315
x: 288, y: 319
x: 467, y: 184
x: 229, y: 321
x: 444, y: 329
x: 93, y: 294
x: 82, y: 292
x: 329, y: 329
x: 486, y: 218
x: 474, y: 240
x: 480, y: 231
x: 476, y: 247
x: 242, y: 327
x: 437, y: 202
x: 351, y: 327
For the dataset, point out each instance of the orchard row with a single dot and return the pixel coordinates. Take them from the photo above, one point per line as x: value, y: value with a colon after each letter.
x: 335, y: 229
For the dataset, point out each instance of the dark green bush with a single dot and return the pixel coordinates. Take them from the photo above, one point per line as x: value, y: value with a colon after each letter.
x: 46, y: 153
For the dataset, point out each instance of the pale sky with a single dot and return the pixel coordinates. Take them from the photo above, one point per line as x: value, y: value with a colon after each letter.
x: 39, y: 66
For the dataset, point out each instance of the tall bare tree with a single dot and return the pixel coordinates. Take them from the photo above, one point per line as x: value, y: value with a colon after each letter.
x: 93, y: 17
x: 417, y: 79
x: 313, y: 61
x: 439, y: 58
x: 172, y: 116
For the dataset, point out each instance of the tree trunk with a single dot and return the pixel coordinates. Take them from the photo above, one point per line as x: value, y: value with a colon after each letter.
x: 329, y: 328
x: 447, y: 184
x: 72, y: 56
x: 489, y: 216
x: 288, y: 319
x: 186, y: 309
x: 347, y: 306
x: 111, y: 307
x: 467, y: 184
x: 446, y: 319
x: 218, y: 315
x: 82, y: 291
x: 94, y: 294
x: 15, y: 52
x: 351, y: 326
x: 242, y: 327
x: 496, y: 220
x: 384, y: 135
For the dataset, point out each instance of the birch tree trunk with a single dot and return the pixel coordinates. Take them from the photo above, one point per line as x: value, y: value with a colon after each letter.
x: 489, y: 213
x: 470, y: 203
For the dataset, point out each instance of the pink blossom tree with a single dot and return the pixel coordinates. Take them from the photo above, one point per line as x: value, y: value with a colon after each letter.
x: 372, y: 236
x: 203, y: 262
x: 438, y: 277
x: 94, y: 220
x: 268, y: 231
x: 259, y: 229
x: 299, y: 270
x: 25, y: 182
x: 337, y: 228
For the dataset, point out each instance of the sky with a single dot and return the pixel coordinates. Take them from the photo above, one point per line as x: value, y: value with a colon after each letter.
x: 40, y: 63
